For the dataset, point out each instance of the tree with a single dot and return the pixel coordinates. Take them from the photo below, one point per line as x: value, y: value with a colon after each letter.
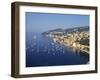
x: 84, y: 41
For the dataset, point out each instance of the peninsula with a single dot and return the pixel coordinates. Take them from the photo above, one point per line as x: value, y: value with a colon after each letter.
x: 77, y: 38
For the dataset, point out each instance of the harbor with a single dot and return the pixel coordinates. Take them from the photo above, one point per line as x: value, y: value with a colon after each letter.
x: 46, y: 51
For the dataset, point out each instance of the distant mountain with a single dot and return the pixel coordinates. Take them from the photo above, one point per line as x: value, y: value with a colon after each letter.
x: 54, y: 30
x: 77, y: 29
x: 57, y: 30
x: 69, y: 30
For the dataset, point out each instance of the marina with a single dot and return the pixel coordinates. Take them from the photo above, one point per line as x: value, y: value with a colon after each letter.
x: 44, y: 51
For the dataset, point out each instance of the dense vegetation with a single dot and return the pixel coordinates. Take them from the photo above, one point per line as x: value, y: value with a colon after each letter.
x: 84, y: 41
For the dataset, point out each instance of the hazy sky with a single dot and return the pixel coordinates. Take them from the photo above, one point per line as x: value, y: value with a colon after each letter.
x: 40, y: 22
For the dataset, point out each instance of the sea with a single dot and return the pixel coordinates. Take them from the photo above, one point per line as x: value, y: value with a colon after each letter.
x: 42, y: 51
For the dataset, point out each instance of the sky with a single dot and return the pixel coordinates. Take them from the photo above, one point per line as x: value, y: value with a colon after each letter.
x: 41, y: 22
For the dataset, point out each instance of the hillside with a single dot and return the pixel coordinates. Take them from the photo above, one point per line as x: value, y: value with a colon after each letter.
x: 69, y: 30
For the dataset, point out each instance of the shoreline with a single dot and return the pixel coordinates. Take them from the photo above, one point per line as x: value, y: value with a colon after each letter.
x: 78, y: 49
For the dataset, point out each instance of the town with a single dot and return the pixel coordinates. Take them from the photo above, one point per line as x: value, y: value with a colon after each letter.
x: 79, y: 41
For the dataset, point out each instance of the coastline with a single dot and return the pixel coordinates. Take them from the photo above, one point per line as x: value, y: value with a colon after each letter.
x: 78, y: 48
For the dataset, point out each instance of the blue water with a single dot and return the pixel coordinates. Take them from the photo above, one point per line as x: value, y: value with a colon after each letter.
x: 42, y: 51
